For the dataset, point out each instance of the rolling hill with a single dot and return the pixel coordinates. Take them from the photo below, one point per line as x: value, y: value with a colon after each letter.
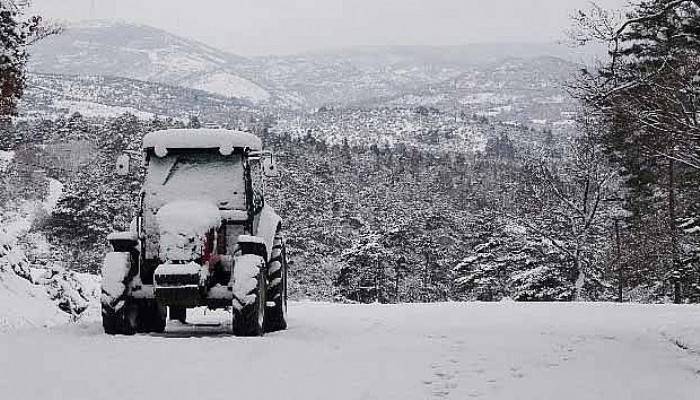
x: 143, y: 53
x: 357, y: 76
x: 52, y: 95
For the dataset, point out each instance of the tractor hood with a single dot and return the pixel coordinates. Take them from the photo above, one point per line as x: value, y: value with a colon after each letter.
x: 183, y: 226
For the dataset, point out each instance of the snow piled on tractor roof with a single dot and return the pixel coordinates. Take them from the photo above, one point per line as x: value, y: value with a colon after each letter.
x: 201, y: 139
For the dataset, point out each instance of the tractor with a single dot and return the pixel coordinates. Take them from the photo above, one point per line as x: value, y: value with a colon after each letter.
x: 202, y: 236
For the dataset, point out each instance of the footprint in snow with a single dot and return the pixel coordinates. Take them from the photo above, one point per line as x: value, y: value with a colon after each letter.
x: 445, y: 371
x: 515, y: 372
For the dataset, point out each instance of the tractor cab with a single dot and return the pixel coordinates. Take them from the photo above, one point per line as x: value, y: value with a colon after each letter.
x: 198, y: 171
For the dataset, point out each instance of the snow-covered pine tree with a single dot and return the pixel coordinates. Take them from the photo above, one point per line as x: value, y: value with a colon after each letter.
x: 194, y: 122
x: 368, y: 273
x: 515, y: 263
x: 12, y: 258
x: 542, y: 283
x: 644, y: 93
x: 484, y: 276
x: 13, y: 58
x: 16, y: 33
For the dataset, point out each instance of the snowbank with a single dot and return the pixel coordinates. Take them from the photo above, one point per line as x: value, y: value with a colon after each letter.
x: 24, y: 305
x: 37, y: 297
x: 12, y: 258
x: 67, y: 291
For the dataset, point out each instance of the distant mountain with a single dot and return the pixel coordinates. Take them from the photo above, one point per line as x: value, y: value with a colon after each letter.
x: 524, y: 90
x: 341, y: 78
x: 362, y: 74
x: 146, y: 54
x: 51, y: 95
x: 357, y: 76
x: 446, y: 56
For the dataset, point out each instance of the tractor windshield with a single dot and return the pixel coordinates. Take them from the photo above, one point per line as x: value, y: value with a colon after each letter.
x: 201, y: 175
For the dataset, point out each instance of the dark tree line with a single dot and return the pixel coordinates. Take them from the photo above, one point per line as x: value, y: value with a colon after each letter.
x: 529, y: 218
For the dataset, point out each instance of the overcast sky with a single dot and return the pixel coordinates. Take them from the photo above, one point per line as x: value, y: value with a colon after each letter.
x: 259, y: 27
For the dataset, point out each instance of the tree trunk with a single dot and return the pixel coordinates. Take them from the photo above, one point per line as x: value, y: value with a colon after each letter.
x: 675, y: 259
x: 426, y: 276
x: 397, y: 295
x: 618, y: 258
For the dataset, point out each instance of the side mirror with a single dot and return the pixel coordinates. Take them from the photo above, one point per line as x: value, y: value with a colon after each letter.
x: 123, y: 165
x: 269, y: 166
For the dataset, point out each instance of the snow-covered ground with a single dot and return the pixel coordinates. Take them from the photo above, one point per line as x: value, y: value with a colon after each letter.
x: 441, y: 351
x: 23, y: 304
x: 5, y: 159
x: 32, y: 296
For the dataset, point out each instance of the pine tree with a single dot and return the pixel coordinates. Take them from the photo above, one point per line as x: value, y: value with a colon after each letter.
x: 542, y: 283
x: 194, y: 122
x: 15, y: 35
x: 647, y: 92
x: 368, y: 273
x: 484, y: 275
x: 13, y: 58
x: 515, y: 263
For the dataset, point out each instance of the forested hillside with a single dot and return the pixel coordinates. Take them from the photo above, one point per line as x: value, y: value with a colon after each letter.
x: 410, y: 216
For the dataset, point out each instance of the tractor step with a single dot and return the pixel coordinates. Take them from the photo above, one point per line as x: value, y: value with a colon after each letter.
x: 187, y: 296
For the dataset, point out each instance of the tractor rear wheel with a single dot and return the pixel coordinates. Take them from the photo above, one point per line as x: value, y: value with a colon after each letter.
x: 276, y: 319
x: 249, y: 295
x: 116, y: 321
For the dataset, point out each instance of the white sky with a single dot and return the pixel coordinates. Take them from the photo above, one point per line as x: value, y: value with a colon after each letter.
x: 259, y: 27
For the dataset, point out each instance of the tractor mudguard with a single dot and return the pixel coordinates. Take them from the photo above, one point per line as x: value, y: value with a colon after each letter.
x: 265, y: 225
x: 123, y: 241
x: 126, y: 242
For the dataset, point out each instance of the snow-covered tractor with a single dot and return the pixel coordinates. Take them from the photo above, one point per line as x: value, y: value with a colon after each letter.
x: 203, y: 236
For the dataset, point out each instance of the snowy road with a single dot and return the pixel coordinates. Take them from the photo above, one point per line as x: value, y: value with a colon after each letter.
x: 442, y: 351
